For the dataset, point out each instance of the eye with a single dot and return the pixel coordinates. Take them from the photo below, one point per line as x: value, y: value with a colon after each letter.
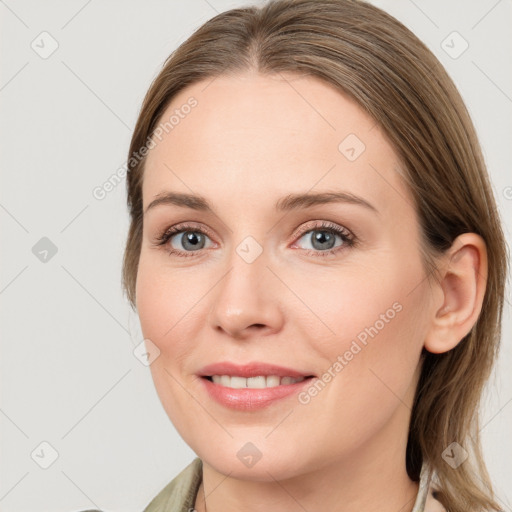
x: 322, y: 239
x: 183, y: 239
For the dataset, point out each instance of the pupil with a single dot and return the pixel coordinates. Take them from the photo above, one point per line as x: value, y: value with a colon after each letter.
x: 193, y: 239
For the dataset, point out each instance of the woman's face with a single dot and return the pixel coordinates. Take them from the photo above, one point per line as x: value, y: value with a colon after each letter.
x: 262, y: 276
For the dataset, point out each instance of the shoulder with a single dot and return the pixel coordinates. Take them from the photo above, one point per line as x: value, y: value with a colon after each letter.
x: 180, y: 493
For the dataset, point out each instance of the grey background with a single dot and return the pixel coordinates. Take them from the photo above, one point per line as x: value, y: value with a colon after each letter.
x: 68, y: 373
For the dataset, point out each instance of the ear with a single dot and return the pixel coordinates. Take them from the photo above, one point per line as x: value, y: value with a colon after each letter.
x: 461, y: 289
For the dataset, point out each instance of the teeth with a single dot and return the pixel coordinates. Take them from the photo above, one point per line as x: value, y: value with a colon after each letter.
x: 258, y: 382
x: 238, y: 382
x: 272, y: 381
x: 224, y: 380
x: 255, y: 382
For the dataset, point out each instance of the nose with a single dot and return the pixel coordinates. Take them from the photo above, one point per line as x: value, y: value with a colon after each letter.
x: 245, y: 301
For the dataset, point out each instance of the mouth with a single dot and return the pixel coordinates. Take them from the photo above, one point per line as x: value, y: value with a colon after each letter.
x: 252, y: 375
x: 252, y: 386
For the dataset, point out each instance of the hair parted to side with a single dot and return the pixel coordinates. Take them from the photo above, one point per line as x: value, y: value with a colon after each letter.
x: 395, y: 78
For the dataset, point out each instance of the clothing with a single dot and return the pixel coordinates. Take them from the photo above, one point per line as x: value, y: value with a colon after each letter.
x: 180, y: 494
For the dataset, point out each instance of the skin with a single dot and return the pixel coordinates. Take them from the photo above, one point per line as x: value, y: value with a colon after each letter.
x: 250, y: 141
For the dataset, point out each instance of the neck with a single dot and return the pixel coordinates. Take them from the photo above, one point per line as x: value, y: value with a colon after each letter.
x: 373, y: 478
x: 387, y: 493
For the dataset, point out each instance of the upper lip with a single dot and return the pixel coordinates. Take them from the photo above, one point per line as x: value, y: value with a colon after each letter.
x: 253, y: 369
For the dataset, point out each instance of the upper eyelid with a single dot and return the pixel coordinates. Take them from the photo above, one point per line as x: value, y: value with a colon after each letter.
x: 321, y: 224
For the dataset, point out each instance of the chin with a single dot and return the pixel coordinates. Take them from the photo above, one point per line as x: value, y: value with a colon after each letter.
x: 246, y: 458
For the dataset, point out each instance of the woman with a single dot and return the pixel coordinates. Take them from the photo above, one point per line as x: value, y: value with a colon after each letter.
x: 318, y: 266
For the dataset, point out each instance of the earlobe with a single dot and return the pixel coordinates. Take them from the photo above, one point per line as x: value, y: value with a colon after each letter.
x: 461, y: 287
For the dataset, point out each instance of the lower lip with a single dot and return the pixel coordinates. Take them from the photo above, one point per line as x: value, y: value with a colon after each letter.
x: 249, y: 399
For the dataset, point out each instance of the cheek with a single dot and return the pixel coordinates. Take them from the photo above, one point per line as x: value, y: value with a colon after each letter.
x: 345, y: 305
x: 372, y: 330
x: 165, y: 309
x: 370, y: 361
x: 166, y: 302
x: 151, y: 302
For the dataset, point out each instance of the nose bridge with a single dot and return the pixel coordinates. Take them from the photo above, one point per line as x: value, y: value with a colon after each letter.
x: 246, y: 296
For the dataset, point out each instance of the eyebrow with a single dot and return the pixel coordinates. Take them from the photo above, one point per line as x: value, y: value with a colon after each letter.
x: 287, y: 203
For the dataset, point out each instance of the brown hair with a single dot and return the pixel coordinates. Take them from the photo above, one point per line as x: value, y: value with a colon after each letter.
x: 395, y: 78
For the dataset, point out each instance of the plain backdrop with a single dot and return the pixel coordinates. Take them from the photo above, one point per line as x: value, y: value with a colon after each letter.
x: 74, y: 397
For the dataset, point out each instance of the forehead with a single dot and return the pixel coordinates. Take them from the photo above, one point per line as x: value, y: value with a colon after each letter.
x: 253, y: 134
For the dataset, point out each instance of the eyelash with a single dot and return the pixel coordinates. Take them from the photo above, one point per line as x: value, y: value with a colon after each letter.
x: 349, y: 240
